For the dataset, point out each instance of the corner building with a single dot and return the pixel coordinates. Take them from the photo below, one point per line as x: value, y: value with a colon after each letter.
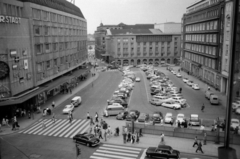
x: 206, y: 41
x: 40, y: 41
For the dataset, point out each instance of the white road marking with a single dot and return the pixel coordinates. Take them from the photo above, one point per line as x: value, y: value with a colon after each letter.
x: 39, y: 127
x: 123, y: 147
x: 113, y: 149
x: 66, y: 122
x: 119, y: 157
x: 69, y: 125
x: 53, y: 125
x: 53, y: 128
x: 116, y: 153
x: 80, y: 129
x: 143, y: 154
x: 95, y: 157
x: 24, y: 131
x: 72, y: 130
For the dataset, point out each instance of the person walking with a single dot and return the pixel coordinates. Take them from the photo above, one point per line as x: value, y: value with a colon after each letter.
x: 205, y: 138
x: 70, y: 119
x: 133, y: 138
x: 199, y: 148
x: 137, y: 138
x: 162, y: 138
x: 53, y: 118
x: 88, y: 115
x: 195, y: 142
x: 203, y: 107
x: 96, y: 117
x: 105, y: 135
x: 100, y: 134
x: 124, y: 137
x: 53, y: 104
x: 91, y: 121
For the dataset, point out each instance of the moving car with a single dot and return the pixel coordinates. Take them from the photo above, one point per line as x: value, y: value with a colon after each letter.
x: 168, y: 118
x: 138, y: 79
x: 118, y: 100
x: 68, y: 109
x: 195, y: 86
x: 122, y: 115
x: 76, y: 101
x: 190, y: 83
x: 171, y: 104
x: 86, y: 139
x: 163, y: 151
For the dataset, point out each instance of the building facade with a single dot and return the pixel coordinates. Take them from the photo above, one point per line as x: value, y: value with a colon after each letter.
x: 205, y: 30
x: 129, y: 47
x: 39, y: 42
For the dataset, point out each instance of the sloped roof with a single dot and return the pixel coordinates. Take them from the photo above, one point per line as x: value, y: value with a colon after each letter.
x: 130, y: 31
x: 61, y: 5
x: 139, y: 26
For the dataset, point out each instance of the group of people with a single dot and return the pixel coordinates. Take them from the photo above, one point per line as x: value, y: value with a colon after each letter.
x: 131, y: 137
x: 199, y: 143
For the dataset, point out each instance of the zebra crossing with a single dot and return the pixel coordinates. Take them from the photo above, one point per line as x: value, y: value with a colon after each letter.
x: 107, y: 151
x: 61, y: 128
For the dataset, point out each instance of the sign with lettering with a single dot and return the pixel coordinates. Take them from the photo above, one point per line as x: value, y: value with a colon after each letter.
x: 9, y: 19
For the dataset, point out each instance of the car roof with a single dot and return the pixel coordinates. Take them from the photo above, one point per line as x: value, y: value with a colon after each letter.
x: 76, y: 97
x: 166, y: 147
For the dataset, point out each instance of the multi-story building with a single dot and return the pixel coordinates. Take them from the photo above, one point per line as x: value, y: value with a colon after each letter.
x: 40, y: 41
x: 206, y: 40
x: 137, y: 46
x: 140, y: 43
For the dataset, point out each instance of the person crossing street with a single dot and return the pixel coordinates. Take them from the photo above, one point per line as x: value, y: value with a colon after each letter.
x: 203, y: 107
x: 199, y: 148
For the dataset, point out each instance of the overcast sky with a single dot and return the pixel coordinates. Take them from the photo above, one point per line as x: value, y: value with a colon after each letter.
x: 131, y: 11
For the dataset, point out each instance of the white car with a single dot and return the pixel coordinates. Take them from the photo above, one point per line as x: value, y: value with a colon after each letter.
x: 195, y: 86
x: 179, y: 75
x: 171, y: 104
x: 168, y: 118
x: 190, y: 83
x: 68, y: 108
x: 235, y: 105
x: 116, y: 104
x: 237, y: 111
x: 185, y: 80
x: 180, y: 118
x: 138, y: 79
x: 234, y: 123
x: 174, y: 72
x: 162, y: 100
x: 176, y: 95
x: 180, y: 100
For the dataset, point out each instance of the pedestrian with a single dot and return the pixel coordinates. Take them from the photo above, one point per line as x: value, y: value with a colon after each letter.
x: 13, y: 124
x: 53, y: 118
x: 124, y: 137
x: 128, y: 137
x: 43, y: 125
x: 29, y: 115
x: 7, y: 122
x: 105, y: 135
x: 205, y: 138
x: 203, y: 107
x: 179, y: 124
x: 236, y: 130
x: 100, y: 134
x: 96, y: 117
x: 199, y: 146
x: 137, y: 136
x: 70, y: 118
x: 209, y: 88
x: 53, y: 104
x: 162, y: 138
x: 88, y: 115
x: 109, y: 130
x: 95, y: 130
x: 195, y: 141
x: 91, y: 121
x: 133, y: 138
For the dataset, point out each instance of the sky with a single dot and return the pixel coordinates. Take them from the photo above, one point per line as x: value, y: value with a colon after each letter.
x: 113, y: 12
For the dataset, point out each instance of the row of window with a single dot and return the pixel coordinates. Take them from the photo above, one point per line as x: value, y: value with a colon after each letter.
x: 211, y: 38
x: 11, y: 10
x: 41, y: 66
x: 53, y: 17
x: 212, y: 25
x: 201, y: 48
x: 211, y: 63
x: 53, y: 47
x: 46, y: 30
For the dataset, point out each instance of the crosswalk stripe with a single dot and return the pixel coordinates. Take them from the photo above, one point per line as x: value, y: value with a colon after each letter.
x: 32, y: 125
x: 73, y: 122
x: 50, y: 127
x: 35, y: 126
x: 116, y: 153
x: 113, y: 149
x: 63, y: 124
x: 86, y: 128
x: 73, y: 127
x: 106, y: 155
x: 95, y: 157
x: 80, y: 129
x: 123, y: 147
x: 40, y: 128
x: 53, y: 128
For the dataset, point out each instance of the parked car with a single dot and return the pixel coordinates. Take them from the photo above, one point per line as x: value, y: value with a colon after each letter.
x: 122, y: 115
x: 142, y: 117
x: 163, y: 151
x: 86, y: 139
x: 190, y: 83
x: 118, y: 100
x: 68, y: 108
x: 157, y: 117
x: 133, y: 114
x: 194, y: 120
x: 171, y: 104
x: 234, y: 123
x: 185, y: 80
x: 179, y: 75
x: 180, y: 117
x: 168, y: 118
x: 195, y: 86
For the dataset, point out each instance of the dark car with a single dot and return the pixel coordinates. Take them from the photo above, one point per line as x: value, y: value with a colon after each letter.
x: 133, y: 114
x: 157, y: 117
x: 156, y: 91
x: 122, y: 115
x: 86, y: 139
x: 142, y: 117
x: 162, y: 151
x: 112, y: 67
x: 118, y: 100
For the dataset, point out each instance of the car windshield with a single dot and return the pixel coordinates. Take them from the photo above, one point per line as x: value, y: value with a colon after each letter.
x: 156, y: 115
x: 180, y: 116
x: 235, y: 122
x: 68, y: 106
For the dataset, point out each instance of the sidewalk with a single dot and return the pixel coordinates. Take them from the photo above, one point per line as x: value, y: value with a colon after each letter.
x: 24, y: 122
x: 181, y: 144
